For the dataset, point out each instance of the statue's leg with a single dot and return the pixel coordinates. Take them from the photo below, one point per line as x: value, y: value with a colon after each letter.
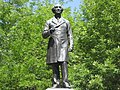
x: 64, y: 69
x: 56, y: 75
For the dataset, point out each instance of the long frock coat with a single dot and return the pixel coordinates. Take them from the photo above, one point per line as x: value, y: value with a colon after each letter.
x: 59, y: 41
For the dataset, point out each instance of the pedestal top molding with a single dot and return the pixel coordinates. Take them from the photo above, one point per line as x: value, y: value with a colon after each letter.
x: 58, y: 89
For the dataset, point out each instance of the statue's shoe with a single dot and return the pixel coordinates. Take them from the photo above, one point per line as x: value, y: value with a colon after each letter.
x: 56, y: 86
x: 66, y: 85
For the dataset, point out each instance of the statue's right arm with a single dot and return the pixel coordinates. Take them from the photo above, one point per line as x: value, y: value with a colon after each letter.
x: 46, y: 31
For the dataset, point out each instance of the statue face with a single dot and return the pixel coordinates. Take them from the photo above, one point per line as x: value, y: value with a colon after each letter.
x: 58, y: 9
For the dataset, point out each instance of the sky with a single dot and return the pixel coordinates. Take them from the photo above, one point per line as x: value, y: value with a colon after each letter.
x: 73, y: 4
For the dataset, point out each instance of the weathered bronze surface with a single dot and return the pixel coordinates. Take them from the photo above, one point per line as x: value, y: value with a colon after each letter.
x: 58, y: 30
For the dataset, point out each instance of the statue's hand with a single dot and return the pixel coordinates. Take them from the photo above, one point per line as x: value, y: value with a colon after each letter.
x: 70, y: 49
x: 52, y: 30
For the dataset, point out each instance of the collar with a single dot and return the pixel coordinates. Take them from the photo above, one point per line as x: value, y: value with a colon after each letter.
x: 55, y: 21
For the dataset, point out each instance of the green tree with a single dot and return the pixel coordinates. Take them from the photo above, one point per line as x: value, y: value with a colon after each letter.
x: 22, y: 48
x: 93, y: 65
x: 96, y: 66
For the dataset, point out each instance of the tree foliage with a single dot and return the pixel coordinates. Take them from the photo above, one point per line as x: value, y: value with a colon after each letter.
x: 98, y: 45
x: 93, y: 65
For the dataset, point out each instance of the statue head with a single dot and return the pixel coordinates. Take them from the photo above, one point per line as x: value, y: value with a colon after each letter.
x: 57, y: 9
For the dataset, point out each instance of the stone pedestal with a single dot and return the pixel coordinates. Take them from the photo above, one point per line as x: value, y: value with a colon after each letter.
x: 59, y: 89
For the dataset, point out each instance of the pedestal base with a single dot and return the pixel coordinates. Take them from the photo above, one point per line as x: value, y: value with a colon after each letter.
x: 59, y: 89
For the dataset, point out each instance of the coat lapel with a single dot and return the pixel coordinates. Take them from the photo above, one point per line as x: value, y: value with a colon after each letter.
x: 55, y: 21
x: 61, y: 20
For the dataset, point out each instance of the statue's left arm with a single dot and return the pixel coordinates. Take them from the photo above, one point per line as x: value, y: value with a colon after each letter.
x: 70, y: 37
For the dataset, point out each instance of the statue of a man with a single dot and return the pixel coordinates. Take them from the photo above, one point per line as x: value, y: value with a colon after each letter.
x: 60, y: 42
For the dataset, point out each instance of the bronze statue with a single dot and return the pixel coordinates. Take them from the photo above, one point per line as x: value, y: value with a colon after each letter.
x: 60, y: 42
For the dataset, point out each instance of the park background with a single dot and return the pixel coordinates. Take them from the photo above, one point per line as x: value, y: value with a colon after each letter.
x: 94, y: 63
